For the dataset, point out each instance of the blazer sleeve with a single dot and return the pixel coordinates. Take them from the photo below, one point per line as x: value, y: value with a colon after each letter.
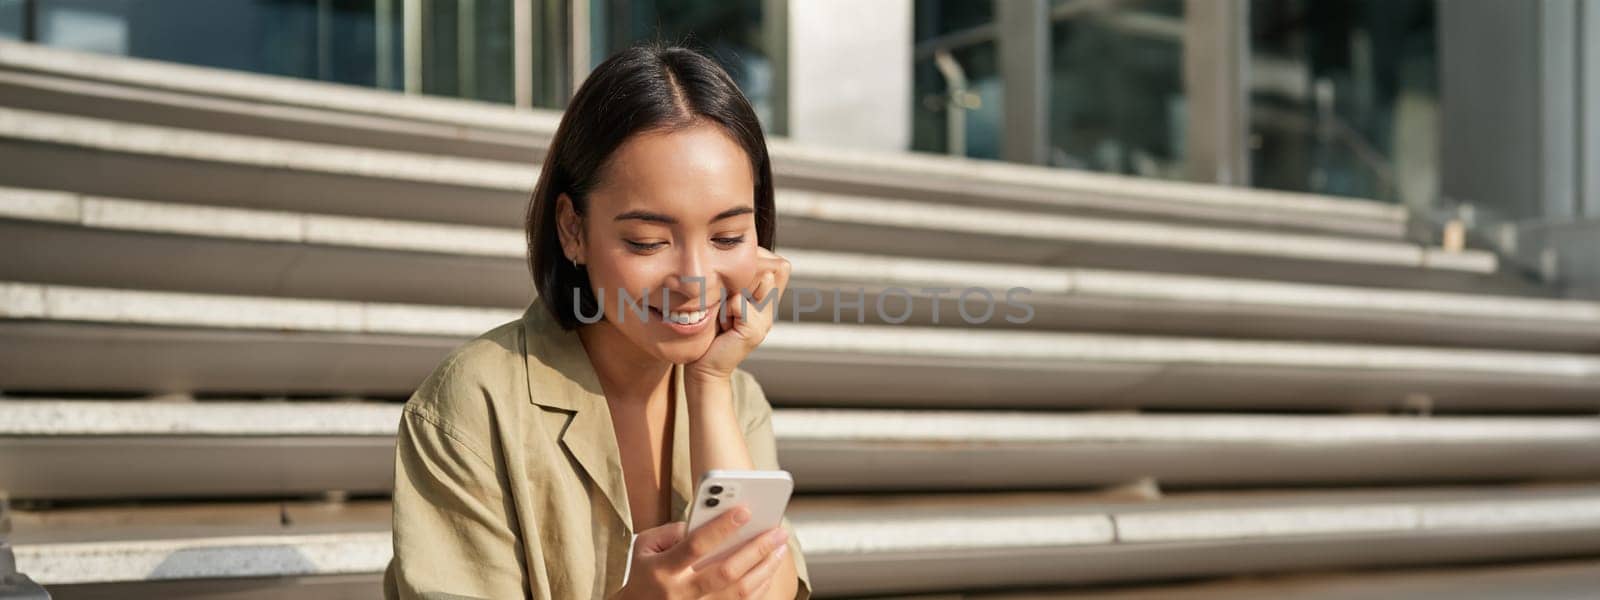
x: 757, y: 418
x: 453, y: 525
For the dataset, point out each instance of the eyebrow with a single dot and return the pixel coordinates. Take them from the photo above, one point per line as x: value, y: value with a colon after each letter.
x: 644, y: 215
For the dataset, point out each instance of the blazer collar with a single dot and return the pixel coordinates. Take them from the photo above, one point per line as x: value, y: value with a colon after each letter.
x: 561, y: 377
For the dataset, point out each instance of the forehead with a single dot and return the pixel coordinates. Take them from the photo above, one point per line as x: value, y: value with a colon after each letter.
x: 685, y: 171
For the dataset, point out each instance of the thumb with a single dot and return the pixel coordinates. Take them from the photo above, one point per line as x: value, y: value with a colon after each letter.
x: 659, y: 539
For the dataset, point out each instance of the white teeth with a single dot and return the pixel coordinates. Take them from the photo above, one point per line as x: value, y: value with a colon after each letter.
x: 687, y: 318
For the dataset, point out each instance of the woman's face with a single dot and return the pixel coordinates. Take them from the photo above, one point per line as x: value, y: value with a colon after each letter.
x: 671, y: 206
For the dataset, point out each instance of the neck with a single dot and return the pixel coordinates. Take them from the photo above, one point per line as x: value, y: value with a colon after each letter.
x: 627, y: 374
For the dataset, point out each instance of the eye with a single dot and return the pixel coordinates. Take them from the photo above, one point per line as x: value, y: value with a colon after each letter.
x: 644, y: 246
x: 728, y: 242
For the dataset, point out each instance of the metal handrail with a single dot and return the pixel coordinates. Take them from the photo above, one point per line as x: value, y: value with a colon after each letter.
x: 955, y: 80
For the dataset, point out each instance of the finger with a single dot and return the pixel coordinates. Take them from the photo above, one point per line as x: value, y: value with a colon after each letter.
x: 783, y: 276
x: 766, y: 584
x: 731, y: 308
x: 755, y: 582
x: 771, y: 295
x: 780, y: 268
x: 757, y: 310
x: 747, y: 305
x: 660, y: 539
x: 773, y: 263
x: 703, y: 541
x: 750, y: 555
x: 765, y: 286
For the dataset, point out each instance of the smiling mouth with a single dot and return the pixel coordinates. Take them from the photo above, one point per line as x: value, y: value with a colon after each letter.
x: 690, y: 317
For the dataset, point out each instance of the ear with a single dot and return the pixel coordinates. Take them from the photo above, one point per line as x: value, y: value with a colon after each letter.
x: 569, y: 225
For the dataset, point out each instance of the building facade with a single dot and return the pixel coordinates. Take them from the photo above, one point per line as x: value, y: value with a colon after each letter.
x: 1476, y: 112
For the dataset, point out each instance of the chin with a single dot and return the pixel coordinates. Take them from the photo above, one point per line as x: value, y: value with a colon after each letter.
x: 682, y: 352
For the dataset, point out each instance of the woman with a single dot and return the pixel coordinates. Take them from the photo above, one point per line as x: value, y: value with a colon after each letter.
x: 529, y: 459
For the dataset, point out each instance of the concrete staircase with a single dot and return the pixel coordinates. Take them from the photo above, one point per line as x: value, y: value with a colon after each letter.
x: 217, y: 288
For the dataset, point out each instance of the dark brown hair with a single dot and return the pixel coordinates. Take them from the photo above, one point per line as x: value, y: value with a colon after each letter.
x: 641, y: 89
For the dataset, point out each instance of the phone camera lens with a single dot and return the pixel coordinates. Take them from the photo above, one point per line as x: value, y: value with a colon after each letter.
x: 716, y: 489
x: 712, y: 502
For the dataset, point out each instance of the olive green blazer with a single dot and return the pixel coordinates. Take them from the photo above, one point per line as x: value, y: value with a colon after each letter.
x: 508, y: 481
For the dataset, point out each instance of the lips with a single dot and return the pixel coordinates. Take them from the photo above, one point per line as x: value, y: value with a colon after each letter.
x: 689, y: 315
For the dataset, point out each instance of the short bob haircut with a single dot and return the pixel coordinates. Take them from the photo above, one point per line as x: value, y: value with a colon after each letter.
x: 645, y: 88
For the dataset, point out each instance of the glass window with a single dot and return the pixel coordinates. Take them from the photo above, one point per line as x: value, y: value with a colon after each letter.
x: 11, y: 15
x: 552, y: 54
x: 1116, y: 87
x: 333, y: 40
x: 467, y: 45
x: 956, y: 87
x: 1344, y: 97
x: 942, y: 17
x: 733, y: 32
x: 467, y: 50
x: 84, y: 25
x: 1115, y: 90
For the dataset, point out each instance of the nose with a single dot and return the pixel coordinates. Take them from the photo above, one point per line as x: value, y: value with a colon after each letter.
x: 691, y: 278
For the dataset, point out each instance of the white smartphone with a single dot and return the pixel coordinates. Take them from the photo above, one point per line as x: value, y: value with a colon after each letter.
x: 766, y: 493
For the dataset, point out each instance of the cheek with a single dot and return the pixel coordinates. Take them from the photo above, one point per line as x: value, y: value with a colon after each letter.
x: 621, y: 271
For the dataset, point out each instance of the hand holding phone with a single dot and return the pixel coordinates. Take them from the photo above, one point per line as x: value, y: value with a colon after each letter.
x: 764, y: 493
x: 729, y: 522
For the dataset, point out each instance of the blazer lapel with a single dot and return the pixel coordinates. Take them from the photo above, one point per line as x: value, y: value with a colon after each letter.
x: 561, y: 377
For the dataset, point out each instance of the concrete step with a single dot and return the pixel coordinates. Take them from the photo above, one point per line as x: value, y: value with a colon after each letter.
x: 523, y: 137
x: 190, y: 97
x: 110, y: 449
x: 51, y: 151
x: 910, y: 228
x: 97, y: 156
x: 13, y: 584
x: 200, y: 549
x: 893, y: 544
x: 1574, y: 579
x: 849, y: 450
x: 1194, y: 535
x: 142, y: 342
x: 313, y: 587
x: 58, y: 236
x: 70, y: 449
x: 184, y: 247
